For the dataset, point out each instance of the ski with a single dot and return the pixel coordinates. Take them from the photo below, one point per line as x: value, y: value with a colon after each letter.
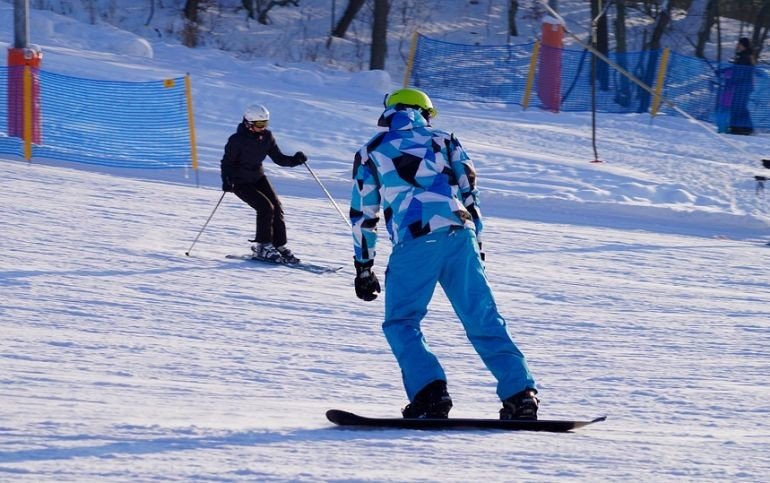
x: 348, y: 419
x: 308, y: 267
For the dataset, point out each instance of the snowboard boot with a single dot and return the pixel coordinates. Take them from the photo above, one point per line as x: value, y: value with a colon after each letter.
x: 267, y: 252
x: 432, y: 402
x: 522, y: 405
x: 287, y: 255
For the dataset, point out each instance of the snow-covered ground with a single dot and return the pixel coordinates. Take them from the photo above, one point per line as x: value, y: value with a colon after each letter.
x: 638, y: 288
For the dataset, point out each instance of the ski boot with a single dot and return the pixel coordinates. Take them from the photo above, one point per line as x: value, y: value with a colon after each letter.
x: 522, y: 405
x: 432, y: 402
x: 267, y: 252
x: 287, y: 255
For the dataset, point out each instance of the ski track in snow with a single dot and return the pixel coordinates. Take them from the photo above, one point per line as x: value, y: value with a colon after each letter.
x: 125, y: 360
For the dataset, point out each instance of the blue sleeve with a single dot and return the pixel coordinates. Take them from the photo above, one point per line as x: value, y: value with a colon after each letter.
x: 364, y: 207
x: 465, y: 173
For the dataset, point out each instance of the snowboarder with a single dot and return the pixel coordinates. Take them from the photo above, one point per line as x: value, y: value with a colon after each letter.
x: 244, y: 175
x: 425, y: 183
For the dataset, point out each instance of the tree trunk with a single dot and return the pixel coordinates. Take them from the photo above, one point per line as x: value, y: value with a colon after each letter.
x: 662, y: 21
x: 601, y: 42
x: 761, y: 26
x: 623, y: 96
x: 191, y: 10
x: 379, y: 34
x: 152, y: 12
x: 347, y: 17
x: 251, y: 8
x: 513, y: 8
x: 190, y: 31
x: 693, y: 22
x: 620, y: 26
x: 709, y: 19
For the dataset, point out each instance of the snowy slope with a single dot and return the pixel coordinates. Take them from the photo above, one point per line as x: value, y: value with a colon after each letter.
x: 124, y: 360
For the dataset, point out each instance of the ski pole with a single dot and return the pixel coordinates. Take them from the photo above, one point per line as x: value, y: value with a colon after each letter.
x: 206, y: 224
x: 328, y: 195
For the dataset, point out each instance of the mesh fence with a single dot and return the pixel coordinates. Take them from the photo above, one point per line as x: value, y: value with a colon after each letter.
x: 499, y: 74
x: 109, y: 123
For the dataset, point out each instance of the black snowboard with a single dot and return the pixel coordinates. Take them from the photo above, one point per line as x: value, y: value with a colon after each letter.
x: 344, y: 418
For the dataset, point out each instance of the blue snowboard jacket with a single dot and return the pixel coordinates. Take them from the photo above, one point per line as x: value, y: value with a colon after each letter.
x: 421, y: 179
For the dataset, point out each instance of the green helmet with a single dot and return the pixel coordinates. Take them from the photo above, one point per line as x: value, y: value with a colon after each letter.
x: 411, y: 97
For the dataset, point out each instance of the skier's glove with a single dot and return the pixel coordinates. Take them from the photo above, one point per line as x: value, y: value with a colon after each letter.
x: 481, y: 253
x: 227, y: 187
x: 366, y: 281
x: 299, y: 158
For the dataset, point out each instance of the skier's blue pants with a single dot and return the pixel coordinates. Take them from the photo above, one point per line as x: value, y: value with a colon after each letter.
x: 451, y: 258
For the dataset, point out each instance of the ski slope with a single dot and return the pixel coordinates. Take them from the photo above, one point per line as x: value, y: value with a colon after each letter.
x: 638, y: 289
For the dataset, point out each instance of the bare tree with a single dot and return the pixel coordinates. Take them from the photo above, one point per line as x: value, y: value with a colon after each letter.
x: 693, y: 21
x: 623, y: 95
x: 259, y: 9
x: 761, y: 26
x: 379, y: 34
x: 354, y: 6
x: 697, y: 24
x: 152, y: 12
x: 709, y: 19
x: 662, y: 19
x: 191, y: 10
x: 190, y: 32
x: 513, y: 8
x: 601, y: 41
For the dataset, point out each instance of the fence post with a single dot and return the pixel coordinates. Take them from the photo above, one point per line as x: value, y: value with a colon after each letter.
x: 662, y: 69
x: 549, y: 80
x: 191, y: 121
x: 531, y: 75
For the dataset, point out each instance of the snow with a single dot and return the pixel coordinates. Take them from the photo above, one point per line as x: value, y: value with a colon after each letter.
x: 637, y: 287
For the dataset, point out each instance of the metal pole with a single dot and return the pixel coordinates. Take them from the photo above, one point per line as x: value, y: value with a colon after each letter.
x: 206, y: 224
x: 328, y: 195
x: 20, y: 24
x: 594, y: 43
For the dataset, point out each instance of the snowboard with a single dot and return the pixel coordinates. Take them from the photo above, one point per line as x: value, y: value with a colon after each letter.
x: 308, y: 267
x: 348, y: 419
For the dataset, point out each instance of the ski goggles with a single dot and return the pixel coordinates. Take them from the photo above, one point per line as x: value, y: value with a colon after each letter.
x: 256, y: 124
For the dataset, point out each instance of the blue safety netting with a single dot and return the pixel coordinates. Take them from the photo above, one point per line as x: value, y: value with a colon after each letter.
x: 481, y: 73
x: 109, y: 123
x: 498, y: 73
x: 8, y: 145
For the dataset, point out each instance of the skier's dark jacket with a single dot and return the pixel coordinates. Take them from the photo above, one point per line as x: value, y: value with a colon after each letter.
x: 244, y: 153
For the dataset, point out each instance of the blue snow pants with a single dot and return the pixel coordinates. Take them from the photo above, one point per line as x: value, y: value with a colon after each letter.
x: 451, y: 258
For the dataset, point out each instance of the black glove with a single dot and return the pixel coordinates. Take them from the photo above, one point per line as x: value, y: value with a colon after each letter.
x: 227, y: 186
x: 481, y: 253
x: 366, y: 281
x: 299, y: 158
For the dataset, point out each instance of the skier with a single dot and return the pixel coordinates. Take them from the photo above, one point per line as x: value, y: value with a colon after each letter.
x: 425, y: 184
x: 244, y: 175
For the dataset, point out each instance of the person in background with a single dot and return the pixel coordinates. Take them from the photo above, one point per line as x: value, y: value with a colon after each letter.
x: 244, y: 175
x: 740, y: 82
x: 425, y: 184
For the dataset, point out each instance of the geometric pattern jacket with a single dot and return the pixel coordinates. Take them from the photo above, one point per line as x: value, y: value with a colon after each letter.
x: 421, y: 179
